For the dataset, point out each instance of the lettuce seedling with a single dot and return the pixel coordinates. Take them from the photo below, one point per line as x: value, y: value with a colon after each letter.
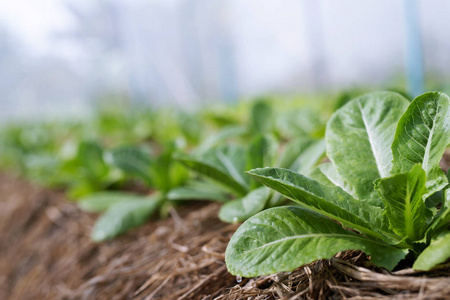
x: 225, y: 168
x: 88, y: 171
x: 123, y: 211
x: 383, y: 175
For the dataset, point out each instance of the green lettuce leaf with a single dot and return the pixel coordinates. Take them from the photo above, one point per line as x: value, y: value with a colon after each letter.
x: 404, y: 205
x: 326, y: 174
x: 332, y: 202
x: 309, y: 157
x: 292, y: 150
x: 359, y: 137
x: 123, y: 216
x: 134, y: 161
x: 220, y: 138
x: 198, y: 190
x: 101, y: 201
x: 241, y: 209
x: 225, y: 165
x: 442, y: 218
x: 261, y: 117
x: 422, y: 135
x: 284, y: 238
x: 261, y: 152
x: 90, y: 158
x: 437, y: 252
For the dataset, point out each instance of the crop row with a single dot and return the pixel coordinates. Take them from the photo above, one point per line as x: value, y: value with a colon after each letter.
x: 373, y: 167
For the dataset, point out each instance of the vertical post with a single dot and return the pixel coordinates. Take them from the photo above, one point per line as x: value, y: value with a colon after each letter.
x: 225, y: 54
x: 315, y: 40
x: 227, y: 71
x: 414, y: 58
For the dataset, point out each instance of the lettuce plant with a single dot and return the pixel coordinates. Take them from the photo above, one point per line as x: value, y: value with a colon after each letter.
x: 88, y: 171
x: 217, y: 162
x: 221, y: 164
x: 224, y: 168
x: 123, y: 211
x: 378, y: 194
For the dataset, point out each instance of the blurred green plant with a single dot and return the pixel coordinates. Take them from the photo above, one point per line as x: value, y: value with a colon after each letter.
x: 225, y: 165
x: 129, y: 163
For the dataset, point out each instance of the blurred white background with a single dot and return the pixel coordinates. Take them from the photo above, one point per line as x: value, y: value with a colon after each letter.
x: 57, y: 57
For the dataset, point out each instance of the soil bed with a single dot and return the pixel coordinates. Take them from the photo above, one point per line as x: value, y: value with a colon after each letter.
x: 45, y: 253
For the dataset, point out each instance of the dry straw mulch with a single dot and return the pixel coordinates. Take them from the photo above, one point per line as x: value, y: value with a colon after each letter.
x: 45, y: 253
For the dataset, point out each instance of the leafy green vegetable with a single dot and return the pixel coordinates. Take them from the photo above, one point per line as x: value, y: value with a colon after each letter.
x: 239, y: 210
x: 309, y: 157
x: 326, y: 174
x: 101, y: 201
x: 291, y: 151
x: 225, y: 165
x: 260, y: 153
x: 261, y: 117
x: 437, y: 252
x: 88, y: 170
x: 198, y: 190
x: 422, y: 135
x: 125, y: 147
x: 332, y: 202
x: 219, y: 138
x: 405, y: 208
x: 125, y: 211
x: 283, y: 238
x: 442, y: 218
x: 300, y: 123
x: 133, y: 160
x: 380, y: 195
x: 91, y: 154
x: 360, y: 134
x: 122, y: 216
x: 166, y: 173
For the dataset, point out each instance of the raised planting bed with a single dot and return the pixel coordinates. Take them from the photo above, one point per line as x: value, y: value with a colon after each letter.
x: 46, y: 253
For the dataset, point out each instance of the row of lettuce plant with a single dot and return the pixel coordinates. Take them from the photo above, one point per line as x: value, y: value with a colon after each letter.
x: 128, y: 167
x: 381, y: 189
x: 218, y: 163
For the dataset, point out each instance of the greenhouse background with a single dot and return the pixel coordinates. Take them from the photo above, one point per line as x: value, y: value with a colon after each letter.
x: 61, y: 57
x: 212, y: 149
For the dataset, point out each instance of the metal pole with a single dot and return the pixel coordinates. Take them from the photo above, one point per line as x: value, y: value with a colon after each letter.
x: 414, y: 57
x: 316, y: 42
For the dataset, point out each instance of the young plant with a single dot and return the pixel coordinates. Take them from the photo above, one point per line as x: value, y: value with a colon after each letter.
x: 223, y: 164
x: 88, y: 171
x: 158, y: 171
x: 123, y: 211
x: 224, y: 167
x: 381, y: 187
